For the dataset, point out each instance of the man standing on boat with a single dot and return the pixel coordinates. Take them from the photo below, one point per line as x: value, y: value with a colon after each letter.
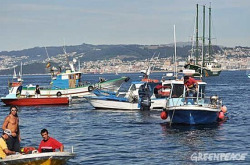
x: 49, y: 144
x: 191, y: 86
x: 3, y: 146
x: 37, y: 91
x: 11, y: 122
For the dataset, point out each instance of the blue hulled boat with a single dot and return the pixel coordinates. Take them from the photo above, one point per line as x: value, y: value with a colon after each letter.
x: 196, y: 109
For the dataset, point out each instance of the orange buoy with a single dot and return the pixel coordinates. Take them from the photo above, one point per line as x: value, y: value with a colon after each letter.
x: 164, y: 115
x: 224, y: 109
x: 27, y: 150
x: 221, y: 115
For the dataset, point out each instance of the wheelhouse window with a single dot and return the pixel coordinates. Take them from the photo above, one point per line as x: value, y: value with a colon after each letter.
x: 202, y: 91
x: 177, y: 90
x: 71, y: 76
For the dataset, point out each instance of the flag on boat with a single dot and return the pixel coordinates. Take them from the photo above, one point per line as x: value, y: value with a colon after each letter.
x: 48, y: 65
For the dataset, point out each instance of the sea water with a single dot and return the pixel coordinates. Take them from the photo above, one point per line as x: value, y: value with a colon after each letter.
x: 136, y: 137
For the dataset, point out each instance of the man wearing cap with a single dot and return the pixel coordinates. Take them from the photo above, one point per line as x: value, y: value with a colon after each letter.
x: 49, y: 144
x: 3, y: 146
x: 11, y: 122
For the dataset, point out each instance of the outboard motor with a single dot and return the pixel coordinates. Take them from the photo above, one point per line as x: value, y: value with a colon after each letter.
x: 145, y: 103
x: 144, y: 95
x: 214, y: 100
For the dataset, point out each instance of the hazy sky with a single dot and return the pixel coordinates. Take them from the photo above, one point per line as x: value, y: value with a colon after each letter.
x: 30, y: 23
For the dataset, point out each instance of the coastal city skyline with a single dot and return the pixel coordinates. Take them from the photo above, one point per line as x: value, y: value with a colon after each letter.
x: 229, y: 59
x: 27, y: 24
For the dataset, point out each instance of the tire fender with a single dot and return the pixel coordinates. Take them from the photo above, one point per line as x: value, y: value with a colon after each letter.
x: 90, y: 88
x: 58, y: 94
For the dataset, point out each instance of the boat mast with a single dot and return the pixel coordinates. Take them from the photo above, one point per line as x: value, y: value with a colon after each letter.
x: 14, y: 75
x: 203, y: 37
x: 79, y: 66
x: 175, y: 70
x: 197, y: 37
x: 21, y: 70
x: 209, y: 37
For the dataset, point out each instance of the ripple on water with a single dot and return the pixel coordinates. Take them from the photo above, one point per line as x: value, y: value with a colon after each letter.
x: 134, y: 137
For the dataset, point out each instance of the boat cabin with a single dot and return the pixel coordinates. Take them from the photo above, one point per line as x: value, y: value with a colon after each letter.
x: 67, y: 80
x: 178, y: 95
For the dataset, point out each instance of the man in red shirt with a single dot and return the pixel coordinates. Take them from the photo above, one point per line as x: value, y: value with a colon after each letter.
x: 49, y: 144
x: 191, y: 86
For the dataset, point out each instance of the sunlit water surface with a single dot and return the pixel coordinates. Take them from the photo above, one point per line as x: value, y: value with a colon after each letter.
x: 135, y: 137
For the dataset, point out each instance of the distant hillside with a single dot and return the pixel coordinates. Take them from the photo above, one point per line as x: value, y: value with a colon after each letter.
x: 34, y: 58
x: 34, y: 68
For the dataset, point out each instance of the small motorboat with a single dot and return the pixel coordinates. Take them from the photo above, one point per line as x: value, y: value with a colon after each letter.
x: 196, y: 109
x: 35, y: 158
x: 19, y: 101
x: 137, y: 97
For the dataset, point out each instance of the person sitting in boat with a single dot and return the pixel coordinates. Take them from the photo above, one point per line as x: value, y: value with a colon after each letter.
x: 37, y: 91
x: 11, y: 122
x: 4, y: 151
x: 191, y: 86
x: 49, y: 144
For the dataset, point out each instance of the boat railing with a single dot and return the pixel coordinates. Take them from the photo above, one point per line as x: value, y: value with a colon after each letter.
x: 212, y: 102
x: 82, y: 84
x: 45, y: 87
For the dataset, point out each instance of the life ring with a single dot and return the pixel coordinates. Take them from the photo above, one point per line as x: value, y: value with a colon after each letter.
x: 90, y: 88
x: 58, y: 94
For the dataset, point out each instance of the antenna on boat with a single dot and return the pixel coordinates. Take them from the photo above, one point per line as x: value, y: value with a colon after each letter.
x: 157, y: 58
x: 20, y: 72
x: 67, y: 56
x: 14, y: 74
x: 79, y: 66
x: 47, y: 52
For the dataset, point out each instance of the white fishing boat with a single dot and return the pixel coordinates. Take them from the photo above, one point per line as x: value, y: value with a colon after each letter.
x: 47, y: 158
x: 206, y: 66
x: 137, y: 97
x: 68, y: 84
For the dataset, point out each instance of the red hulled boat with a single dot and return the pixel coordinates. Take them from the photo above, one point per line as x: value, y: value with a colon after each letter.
x: 36, y: 101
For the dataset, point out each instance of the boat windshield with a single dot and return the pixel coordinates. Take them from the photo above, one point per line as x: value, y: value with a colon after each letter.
x: 201, y: 91
x: 177, y: 90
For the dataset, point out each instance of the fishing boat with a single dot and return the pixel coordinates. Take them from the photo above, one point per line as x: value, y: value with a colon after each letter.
x: 137, y: 97
x: 46, y: 158
x: 146, y: 73
x: 196, y: 109
x: 206, y: 67
x: 35, y: 101
x: 66, y: 84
